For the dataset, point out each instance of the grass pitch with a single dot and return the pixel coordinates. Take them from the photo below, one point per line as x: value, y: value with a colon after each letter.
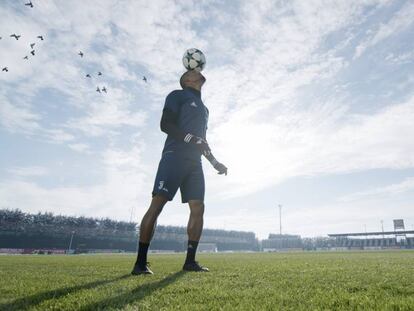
x: 260, y: 281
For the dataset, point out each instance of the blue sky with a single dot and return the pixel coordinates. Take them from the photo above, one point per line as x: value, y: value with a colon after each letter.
x: 311, y: 106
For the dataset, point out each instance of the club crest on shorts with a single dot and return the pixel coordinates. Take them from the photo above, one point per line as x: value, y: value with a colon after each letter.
x: 193, y: 104
x: 161, y: 186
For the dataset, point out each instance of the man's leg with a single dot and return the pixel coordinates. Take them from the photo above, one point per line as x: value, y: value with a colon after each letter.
x: 146, y: 231
x: 147, y: 227
x: 194, y: 229
x: 195, y: 222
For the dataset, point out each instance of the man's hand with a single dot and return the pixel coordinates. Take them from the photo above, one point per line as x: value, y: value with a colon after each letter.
x: 205, y: 150
x: 221, y: 168
x: 200, y: 143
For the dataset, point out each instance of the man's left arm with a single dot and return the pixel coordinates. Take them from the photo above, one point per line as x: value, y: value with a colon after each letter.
x: 221, y: 168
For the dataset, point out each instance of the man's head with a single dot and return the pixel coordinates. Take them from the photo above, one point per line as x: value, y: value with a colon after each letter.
x: 192, y: 78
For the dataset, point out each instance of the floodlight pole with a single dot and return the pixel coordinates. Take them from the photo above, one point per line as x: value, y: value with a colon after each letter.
x: 132, y: 212
x: 280, y: 218
x: 138, y: 234
x: 70, y: 243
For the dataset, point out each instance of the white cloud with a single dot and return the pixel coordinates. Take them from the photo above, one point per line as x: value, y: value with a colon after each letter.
x: 124, y: 41
x: 272, y: 91
x: 58, y: 136
x: 265, y: 132
x: 107, y: 113
x: 312, y: 142
x: 82, y: 148
x: 403, y: 58
x: 394, y: 189
x: 124, y: 185
x: 28, y: 171
x: 400, y: 21
x: 17, y: 118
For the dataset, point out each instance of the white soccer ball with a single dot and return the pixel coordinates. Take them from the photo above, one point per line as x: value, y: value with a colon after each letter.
x: 194, y: 59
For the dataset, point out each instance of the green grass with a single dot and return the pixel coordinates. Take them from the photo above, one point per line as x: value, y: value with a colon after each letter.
x: 261, y: 281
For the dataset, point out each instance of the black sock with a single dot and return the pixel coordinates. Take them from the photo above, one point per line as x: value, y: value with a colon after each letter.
x: 191, y: 251
x: 142, y: 254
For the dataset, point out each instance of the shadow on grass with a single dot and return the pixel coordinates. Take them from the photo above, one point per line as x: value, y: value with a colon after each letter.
x: 134, y: 295
x: 27, y: 302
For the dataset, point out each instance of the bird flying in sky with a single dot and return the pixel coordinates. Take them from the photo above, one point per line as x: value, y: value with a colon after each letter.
x: 29, y: 4
x: 5, y: 69
x: 98, y: 89
x: 144, y: 79
x: 26, y: 57
x: 32, y: 45
x: 88, y: 75
x: 40, y: 37
x: 15, y: 36
x: 104, y: 89
x: 32, y: 52
x: 80, y: 53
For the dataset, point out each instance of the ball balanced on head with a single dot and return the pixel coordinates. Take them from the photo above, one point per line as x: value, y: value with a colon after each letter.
x: 194, y: 59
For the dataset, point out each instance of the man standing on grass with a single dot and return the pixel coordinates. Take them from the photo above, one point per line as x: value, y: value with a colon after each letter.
x: 184, y: 120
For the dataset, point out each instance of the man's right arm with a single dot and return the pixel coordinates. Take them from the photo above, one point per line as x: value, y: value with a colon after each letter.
x: 169, y: 125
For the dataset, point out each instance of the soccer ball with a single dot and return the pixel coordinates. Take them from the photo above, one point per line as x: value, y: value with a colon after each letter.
x: 194, y: 59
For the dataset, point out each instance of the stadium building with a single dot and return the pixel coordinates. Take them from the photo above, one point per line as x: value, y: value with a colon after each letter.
x: 397, y: 239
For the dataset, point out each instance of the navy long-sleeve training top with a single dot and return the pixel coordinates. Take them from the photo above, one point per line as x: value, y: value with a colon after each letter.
x: 184, y: 112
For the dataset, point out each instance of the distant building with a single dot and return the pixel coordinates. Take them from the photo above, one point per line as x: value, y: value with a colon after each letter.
x: 207, y: 247
x: 279, y: 242
x: 396, y: 239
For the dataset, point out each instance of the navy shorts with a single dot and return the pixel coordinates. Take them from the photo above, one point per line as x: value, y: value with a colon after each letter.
x: 175, y: 171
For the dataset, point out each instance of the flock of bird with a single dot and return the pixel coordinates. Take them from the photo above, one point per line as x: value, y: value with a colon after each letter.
x: 99, y: 89
x: 32, y: 50
x: 89, y: 76
x: 17, y: 37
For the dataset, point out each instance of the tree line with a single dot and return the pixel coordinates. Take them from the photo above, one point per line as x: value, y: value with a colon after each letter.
x: 46, y: 230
